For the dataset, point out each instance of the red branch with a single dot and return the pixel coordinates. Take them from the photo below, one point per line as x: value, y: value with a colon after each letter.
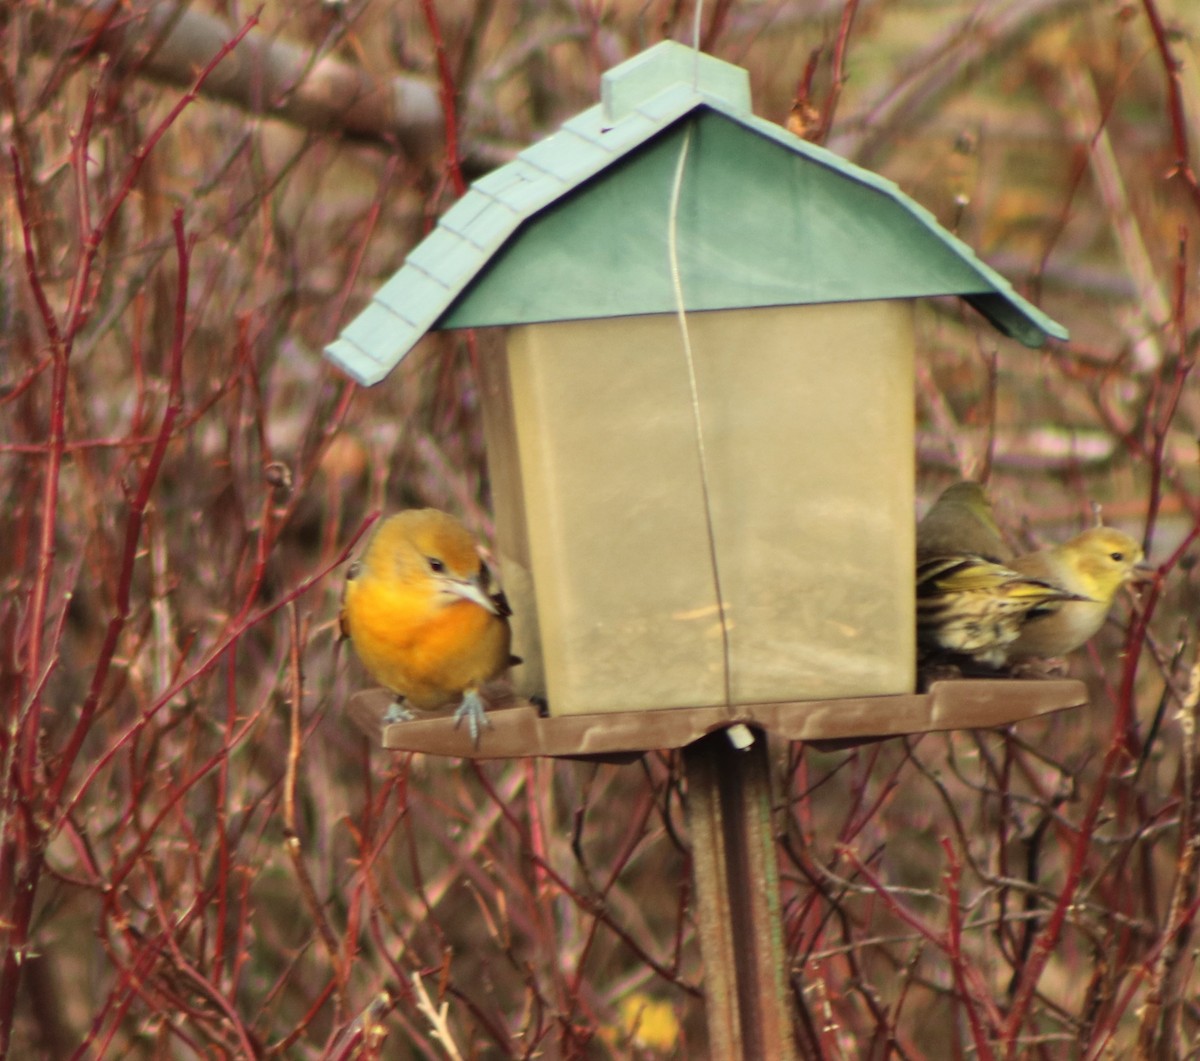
x: 1049, y: 937
x: 133, y: 523
x: 449, y: 94
x: 210, y: 660
x: 958, y: 963
x: 849, y: 10
x: 1179, y: 122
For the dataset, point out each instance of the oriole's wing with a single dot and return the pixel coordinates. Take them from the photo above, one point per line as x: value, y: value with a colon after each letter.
x: 495, y: 593
x: 351, y: 574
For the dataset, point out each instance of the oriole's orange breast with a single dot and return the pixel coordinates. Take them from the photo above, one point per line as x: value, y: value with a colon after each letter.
x: 419, y: 646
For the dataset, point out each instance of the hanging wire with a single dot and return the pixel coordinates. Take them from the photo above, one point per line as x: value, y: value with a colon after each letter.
x: 681, y: 316
x: 739, y: 735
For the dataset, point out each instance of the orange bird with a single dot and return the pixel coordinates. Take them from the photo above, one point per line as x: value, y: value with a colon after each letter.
x: 423, y: 617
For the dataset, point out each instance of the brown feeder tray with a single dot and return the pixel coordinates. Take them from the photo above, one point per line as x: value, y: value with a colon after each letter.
x: 518, y: 729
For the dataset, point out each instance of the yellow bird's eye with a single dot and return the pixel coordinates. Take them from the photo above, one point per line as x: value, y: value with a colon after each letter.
x: 1117, y: 556
x: 435, y: 565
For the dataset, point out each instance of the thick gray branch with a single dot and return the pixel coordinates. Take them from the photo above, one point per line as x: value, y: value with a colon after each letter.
x: 265, y: 75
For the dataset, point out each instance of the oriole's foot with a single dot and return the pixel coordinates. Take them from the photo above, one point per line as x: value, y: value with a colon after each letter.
x: 472, y: 710
x: 397, y: 712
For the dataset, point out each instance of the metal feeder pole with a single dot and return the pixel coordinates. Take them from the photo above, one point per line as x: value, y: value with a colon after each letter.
x: 737, y: 900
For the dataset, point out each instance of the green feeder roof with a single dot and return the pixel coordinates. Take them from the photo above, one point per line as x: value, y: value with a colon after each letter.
x: 577, y: 225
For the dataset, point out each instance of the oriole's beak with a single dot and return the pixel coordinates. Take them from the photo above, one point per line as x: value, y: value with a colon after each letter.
x: 472, y: 589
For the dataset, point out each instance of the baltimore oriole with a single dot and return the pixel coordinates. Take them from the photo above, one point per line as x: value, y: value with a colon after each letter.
x: 423, y: 617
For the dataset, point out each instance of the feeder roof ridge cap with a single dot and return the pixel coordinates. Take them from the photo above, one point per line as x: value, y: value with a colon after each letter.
x: 630, y: 85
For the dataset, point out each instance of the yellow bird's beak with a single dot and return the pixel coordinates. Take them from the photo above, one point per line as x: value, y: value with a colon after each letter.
x: 1143, y: 572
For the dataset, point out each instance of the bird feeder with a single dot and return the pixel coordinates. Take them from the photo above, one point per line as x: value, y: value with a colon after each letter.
x: 699, y: 428
x: 700, y: 419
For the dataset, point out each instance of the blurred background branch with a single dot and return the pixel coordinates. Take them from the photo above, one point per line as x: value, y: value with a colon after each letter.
x: 267, y: 74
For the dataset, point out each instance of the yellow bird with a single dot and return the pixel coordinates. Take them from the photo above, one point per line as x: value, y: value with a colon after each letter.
x: 1094, y: 566
x: 423, y: 617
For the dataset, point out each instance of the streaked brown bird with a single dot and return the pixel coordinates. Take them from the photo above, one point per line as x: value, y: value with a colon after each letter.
x: 977, y: 603
x: 968, y: 606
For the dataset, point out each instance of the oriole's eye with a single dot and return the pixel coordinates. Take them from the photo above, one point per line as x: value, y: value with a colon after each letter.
x: 435, y: 564
x: 1117, y: 556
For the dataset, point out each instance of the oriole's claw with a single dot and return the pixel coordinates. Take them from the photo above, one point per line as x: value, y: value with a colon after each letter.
x: 472, y: 710
x: 397, y: 712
